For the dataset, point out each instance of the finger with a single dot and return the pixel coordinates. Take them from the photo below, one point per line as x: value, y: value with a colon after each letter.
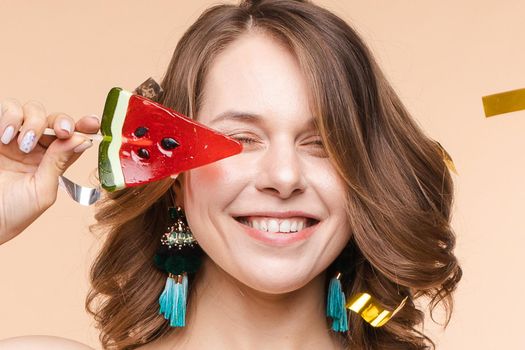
x: 11, y: 117
x: 58, y: 157
x: 35, y: 121
x: 62, y: 124
x: 89, y: 124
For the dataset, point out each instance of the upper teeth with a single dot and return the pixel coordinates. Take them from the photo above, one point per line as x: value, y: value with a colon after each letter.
x: 275, y: 225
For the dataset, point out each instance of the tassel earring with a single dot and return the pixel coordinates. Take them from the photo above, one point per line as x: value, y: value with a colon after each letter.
x: 336, y: 305
x: 178, y: 255
x: 173, y: 300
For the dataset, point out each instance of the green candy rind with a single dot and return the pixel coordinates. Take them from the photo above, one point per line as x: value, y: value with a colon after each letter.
x: 109, y: 167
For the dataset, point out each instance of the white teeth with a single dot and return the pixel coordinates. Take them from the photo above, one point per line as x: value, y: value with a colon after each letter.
x: 273, y: 226
x: 285, y: 226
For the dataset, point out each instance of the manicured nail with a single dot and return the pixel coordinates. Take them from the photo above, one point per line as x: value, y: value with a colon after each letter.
x: 94, y: 116
x: 83, y: 146
x: 28, y: 141
x: 7, y: 136
x: 65, y: 125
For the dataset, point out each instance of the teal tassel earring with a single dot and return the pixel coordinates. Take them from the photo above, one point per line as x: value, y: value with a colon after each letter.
x: 178, y: 255
x: 173, y: 300
x: 336, y: 305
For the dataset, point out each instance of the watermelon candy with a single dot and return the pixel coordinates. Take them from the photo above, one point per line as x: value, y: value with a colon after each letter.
x: 144, y: 141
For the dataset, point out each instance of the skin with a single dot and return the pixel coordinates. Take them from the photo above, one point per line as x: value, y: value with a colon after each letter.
x: 261, y: 296
x: 30, y: 180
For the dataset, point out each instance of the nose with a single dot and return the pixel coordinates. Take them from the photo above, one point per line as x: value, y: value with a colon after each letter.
x: 280, y: 172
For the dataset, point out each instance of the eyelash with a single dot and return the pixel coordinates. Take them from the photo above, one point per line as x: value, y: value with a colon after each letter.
x: 318, y: 142
x: 244, y: 139
x: 249, y: 140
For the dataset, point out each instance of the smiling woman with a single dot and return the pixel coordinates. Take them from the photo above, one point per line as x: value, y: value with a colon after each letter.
x: 329, y: 151
x: 335, y: 179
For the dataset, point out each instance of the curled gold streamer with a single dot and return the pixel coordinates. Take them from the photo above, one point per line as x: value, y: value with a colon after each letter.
x: 447, y: 159
x: 370, y: 310
x: 504, y: 102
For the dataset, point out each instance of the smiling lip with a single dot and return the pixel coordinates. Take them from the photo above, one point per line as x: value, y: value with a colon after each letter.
x: 280, y: 215
x: 276, y: 238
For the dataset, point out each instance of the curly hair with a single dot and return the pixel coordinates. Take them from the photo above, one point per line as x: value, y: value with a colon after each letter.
x: 399, y: 190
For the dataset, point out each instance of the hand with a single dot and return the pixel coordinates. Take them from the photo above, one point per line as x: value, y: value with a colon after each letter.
x: 30, y: 163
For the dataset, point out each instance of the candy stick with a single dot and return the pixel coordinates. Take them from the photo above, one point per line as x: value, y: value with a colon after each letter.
x: 92, y: 137
x: 99, y: 138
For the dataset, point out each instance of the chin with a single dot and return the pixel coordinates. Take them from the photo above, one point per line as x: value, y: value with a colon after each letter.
x: 274, y: 280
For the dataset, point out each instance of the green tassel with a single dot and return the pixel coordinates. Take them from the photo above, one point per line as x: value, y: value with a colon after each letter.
x: 334, y: 306
x: 173, y: 300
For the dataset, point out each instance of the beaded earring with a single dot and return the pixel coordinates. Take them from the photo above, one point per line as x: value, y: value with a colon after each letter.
x: 179, y: 255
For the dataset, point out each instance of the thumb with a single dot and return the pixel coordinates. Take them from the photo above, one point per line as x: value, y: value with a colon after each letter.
x: 60, y: 154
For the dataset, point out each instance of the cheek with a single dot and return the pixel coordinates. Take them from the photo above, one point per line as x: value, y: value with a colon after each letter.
x: 329, y: 185
x: 213, y: 185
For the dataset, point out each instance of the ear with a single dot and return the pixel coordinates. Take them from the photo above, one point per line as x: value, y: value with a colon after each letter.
x: 177, y: 189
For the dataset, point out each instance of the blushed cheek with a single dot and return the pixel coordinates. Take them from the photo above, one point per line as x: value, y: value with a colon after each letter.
x: 208, y: 175
x: 213, y: 182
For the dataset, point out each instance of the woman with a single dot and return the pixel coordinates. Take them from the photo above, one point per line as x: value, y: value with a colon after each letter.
x: 329, y: 152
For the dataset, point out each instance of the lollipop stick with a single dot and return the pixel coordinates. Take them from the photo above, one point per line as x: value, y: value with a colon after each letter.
x: 92, y: 137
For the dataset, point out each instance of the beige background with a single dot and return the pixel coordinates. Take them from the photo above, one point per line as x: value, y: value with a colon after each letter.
x: 441, y: 56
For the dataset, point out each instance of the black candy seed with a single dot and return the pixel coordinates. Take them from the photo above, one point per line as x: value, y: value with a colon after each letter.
x: 143, y: 153
x: 141, y: 131
x: 169, y: 143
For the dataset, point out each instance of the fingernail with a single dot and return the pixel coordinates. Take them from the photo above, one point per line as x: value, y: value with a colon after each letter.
x: 7, y: 136
x: 95, y: 117
x: 65, y: 125
x: 83, y: 146
x: 27, y: 142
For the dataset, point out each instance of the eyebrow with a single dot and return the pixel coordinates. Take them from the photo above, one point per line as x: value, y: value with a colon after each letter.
x: 246, y: 117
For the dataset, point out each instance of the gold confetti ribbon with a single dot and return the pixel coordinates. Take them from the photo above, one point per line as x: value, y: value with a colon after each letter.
x: 447, y: 159
x: 370, y: 310
x: 505, y: 102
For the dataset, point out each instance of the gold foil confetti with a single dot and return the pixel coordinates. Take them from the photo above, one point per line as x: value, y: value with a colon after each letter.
x: 370, y: 310
x: 505, y: 102
x: 447, y: 159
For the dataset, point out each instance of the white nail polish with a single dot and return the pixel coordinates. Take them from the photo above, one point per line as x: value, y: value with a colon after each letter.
x: 65, y: 125
x: 7, y: 136
x: 27, y: 142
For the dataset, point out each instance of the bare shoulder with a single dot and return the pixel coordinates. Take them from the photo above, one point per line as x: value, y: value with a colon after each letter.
x: 41, y: 342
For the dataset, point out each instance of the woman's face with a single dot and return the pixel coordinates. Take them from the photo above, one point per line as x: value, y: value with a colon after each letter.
x: 282, y: 181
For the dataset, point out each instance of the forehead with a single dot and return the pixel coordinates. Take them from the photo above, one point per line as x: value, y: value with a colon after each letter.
x: 258, y: 76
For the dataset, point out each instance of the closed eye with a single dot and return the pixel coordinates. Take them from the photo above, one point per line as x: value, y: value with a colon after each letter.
x: 319, y: 149
x: 244, y: 139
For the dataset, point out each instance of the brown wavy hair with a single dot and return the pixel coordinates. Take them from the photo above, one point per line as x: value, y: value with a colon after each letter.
x: 399, y: 190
